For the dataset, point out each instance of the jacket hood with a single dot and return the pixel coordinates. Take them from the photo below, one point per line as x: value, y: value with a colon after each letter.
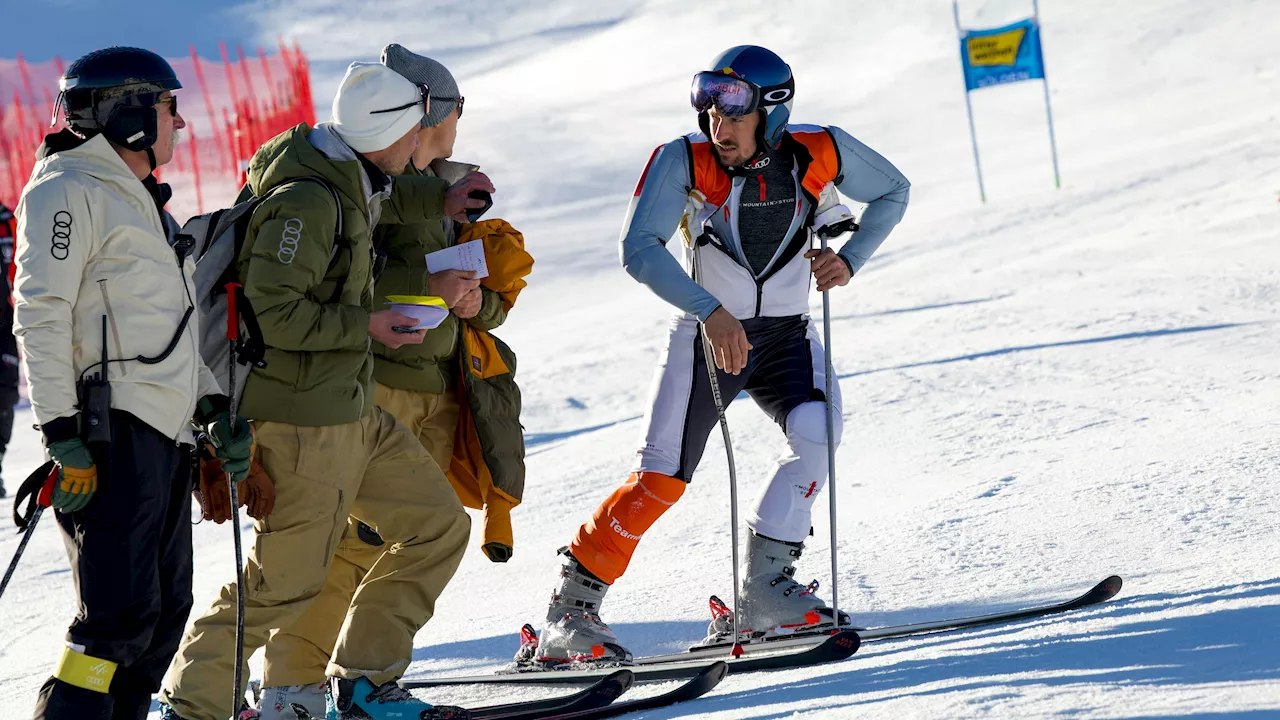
x: 303, y: 151
x: 64, y: 150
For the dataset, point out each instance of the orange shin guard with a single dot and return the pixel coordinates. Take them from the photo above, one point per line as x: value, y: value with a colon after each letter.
x: 605, y: 544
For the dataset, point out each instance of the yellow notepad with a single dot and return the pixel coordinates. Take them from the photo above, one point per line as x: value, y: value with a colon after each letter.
x: 428, y: 310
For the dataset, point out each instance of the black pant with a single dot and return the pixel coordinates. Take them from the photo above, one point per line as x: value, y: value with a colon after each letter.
x: 8, y: 386
x: 778, y: 376
x: 130, y: 552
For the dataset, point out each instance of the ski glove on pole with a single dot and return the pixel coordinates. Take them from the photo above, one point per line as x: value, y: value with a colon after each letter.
x: 77, y: 475
x: 232, y: 441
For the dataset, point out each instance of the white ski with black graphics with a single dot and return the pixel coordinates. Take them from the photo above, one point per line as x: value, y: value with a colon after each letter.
x: 1097, y: 595
x: 829, y: 648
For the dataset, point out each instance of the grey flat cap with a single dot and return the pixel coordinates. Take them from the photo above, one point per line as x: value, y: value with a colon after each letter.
x: 422, y: 70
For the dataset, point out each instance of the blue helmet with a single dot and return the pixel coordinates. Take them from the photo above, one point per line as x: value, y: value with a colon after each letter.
x: 769, y: 88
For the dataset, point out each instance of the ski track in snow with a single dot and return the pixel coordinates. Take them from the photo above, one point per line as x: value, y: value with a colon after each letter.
x: 1040, y: 391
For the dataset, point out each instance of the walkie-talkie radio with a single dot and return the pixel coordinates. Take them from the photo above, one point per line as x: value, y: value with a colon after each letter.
x: 95, y: 400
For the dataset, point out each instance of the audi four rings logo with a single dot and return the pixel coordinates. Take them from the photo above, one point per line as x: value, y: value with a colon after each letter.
x: 61, y: 235
x: 777, y: 96
x: 289, y: 238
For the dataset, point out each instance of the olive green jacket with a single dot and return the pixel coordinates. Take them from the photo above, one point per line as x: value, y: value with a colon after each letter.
x: 431, y: 366
x: 311, y: 291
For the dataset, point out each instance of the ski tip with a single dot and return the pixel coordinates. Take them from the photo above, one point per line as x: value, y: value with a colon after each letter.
x: 716, y: 671
x: 623, y: 678
x: 1107, y: 589
x: 848, y: 640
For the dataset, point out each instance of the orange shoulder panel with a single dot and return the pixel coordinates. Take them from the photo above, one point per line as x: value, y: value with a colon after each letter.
x: 826, y: 159
x: 708, y: 176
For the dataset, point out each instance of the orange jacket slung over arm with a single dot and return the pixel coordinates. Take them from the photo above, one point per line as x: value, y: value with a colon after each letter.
x: 487, y: 470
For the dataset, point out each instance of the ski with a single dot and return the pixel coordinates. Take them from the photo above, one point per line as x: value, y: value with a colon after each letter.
x: 1097, y: 595
x: 694, y: 688
x: 598, y: 695
x: 830, y: 648
x: 593, y: 703
x: 439, y: 712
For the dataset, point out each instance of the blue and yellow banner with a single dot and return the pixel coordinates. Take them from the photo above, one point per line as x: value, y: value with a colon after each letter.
x: 1003, y: 55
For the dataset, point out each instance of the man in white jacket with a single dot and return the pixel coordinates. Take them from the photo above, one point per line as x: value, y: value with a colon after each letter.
x: 101, y: 278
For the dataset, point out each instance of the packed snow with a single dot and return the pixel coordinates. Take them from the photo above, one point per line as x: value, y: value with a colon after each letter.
x: 1040, y: 391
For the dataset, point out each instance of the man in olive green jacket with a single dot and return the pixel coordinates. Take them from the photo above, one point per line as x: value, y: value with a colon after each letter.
x: 328, y: 450
x: 415, y: 383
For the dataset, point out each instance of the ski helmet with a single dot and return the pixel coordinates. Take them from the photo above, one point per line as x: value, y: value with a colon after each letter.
x: 746, y: 79
x: 114, y: 92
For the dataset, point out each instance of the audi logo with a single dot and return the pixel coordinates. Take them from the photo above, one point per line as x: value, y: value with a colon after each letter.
x: 289, y: 238
x: 61, y: 248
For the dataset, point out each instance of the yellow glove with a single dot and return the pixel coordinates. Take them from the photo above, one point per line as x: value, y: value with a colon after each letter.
x: 77, y: 475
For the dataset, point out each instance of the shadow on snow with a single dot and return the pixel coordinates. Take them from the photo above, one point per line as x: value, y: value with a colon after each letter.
x: 1047, y: 346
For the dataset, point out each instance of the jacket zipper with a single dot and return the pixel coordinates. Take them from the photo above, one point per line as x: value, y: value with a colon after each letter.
x: 111, y: 319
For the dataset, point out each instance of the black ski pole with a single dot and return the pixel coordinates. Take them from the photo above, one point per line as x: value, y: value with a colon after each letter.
x: 26, y: 537
x: 44, y: 477
x: 233, y: 335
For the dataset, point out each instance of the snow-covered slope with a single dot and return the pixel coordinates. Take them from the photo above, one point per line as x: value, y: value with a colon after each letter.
x: 1040, y: 391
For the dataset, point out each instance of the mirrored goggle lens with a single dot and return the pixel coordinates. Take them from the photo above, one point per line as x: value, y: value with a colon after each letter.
x: 731, y: 96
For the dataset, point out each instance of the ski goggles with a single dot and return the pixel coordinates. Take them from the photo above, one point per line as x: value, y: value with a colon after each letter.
x: 424, y: 99
x: 732, y: 96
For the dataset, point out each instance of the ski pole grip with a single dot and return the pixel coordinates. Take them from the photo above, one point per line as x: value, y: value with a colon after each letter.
x: 233, y: 318
x: 45, y: 498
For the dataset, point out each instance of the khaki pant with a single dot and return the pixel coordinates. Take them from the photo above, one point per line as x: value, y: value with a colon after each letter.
x: 373, y: 469
x: 299, y: 654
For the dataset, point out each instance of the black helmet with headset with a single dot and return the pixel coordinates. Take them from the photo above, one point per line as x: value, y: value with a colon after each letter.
x: 114, y: 92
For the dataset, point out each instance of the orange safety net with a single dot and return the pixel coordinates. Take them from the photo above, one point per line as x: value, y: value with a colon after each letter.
x: 231, y: 106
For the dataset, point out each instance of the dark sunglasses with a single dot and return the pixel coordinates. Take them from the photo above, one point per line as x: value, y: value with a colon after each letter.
x: 460, y: 100
x: 424, y: 100
x: 172, y: 102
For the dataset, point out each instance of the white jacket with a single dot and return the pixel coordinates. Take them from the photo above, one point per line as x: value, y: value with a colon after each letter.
x: 664, y: 200
x: 91, y: 243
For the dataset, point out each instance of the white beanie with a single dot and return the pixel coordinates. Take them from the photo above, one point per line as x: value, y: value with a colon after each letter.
x: 366, y: 88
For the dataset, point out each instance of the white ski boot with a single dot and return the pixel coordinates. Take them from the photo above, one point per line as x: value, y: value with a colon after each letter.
x: 773, y: 603
x: 277, y: 702
x: 574, y: 631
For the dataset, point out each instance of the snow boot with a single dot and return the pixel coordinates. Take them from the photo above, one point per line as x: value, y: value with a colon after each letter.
x: 277, y: 702
x: 773, y: 603
x: 574, y: 631
x: 360, y: 699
